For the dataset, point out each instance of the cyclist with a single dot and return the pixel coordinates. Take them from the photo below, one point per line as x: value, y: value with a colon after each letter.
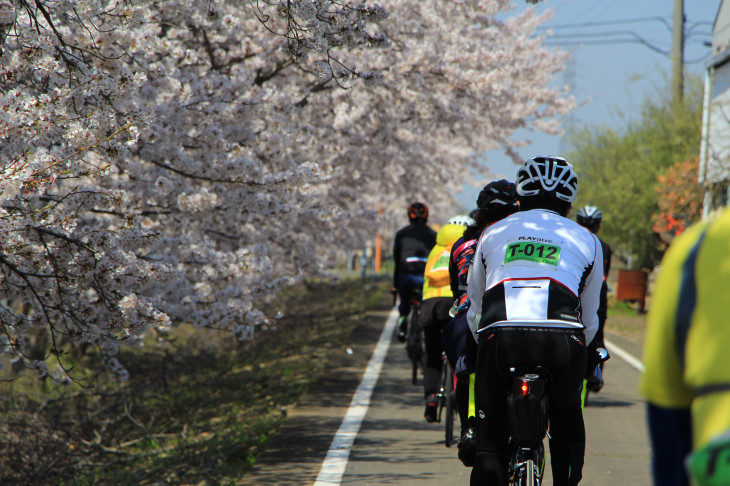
x: 590, y: 217
x: 411, y: 246
x: 437, y: 301
x: 536, y: 278
x: 496, y: 201
x: 687, y: 367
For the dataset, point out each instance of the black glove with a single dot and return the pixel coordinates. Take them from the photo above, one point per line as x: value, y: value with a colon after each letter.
x: 596, y: 356
x: 464, y: 367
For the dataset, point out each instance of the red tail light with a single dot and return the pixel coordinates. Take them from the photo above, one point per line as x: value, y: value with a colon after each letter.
x: 525, y: 388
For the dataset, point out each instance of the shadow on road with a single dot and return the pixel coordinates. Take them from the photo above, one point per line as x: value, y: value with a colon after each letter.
x: 596, y: 402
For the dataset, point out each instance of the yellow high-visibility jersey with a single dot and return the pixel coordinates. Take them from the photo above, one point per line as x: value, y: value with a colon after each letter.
x: 687, y: 347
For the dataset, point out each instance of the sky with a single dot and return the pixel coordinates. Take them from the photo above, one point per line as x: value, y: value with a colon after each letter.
x: 611, y: 69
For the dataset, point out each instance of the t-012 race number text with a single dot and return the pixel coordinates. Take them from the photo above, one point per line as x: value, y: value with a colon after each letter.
x: 533, y: 252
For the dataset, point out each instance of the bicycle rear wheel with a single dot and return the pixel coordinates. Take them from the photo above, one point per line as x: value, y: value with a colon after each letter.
x: 450, y: 397
x: 443, y: 392
x: 414, y: 371
x: 530, y: 473
x: 415, y: 349
x: 536, y: 466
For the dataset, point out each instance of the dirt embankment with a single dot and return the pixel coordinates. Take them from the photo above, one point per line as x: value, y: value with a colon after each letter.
x: 198, y: 407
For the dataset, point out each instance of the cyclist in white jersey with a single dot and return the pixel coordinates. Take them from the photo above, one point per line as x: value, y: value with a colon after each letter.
x: 535, y: 285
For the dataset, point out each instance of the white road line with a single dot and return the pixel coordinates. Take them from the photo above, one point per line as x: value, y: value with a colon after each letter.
x: 335, y: 463
x: 632, y: 361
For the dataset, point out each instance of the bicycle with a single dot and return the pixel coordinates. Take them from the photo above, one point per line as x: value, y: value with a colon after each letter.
x: 528, y: 422
x: 414, y: 346
x: 527, y: 409
x: 447, y: 400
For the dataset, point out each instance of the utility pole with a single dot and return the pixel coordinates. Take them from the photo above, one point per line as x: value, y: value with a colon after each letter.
x: 678, y: 53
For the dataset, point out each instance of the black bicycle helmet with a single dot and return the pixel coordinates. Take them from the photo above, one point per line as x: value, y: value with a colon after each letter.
x: 551, y: 176
x: 589, y: 216
x: 418, y: 210
x: 497, y: 193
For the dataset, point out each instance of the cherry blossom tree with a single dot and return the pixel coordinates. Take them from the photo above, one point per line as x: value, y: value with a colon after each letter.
x: 181, y: 161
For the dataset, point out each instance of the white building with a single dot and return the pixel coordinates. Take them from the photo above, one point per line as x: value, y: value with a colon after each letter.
x: 715, y: 143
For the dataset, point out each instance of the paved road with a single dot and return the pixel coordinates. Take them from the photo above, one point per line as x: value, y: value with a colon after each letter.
x: 395, y: 445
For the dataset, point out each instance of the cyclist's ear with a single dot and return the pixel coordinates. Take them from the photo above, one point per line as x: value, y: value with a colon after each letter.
x: 567, y: 211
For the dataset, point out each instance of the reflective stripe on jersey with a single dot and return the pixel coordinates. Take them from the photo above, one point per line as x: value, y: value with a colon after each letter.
x: 536, y: 323
x: 687, y: 300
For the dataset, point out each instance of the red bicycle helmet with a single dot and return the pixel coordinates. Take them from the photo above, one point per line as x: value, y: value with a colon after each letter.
x: 418, y: 210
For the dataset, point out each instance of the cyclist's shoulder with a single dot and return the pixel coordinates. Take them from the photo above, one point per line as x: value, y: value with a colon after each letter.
x: 415, y: 237
x: 404, y: 231
x: 713, y: 229
x: 449, y: 234
x: 606, y: 247
x: 464, y: 243
x: 682, y: 245
x: 422, y: 231
x: 533, y: 221
x: 417, y: 227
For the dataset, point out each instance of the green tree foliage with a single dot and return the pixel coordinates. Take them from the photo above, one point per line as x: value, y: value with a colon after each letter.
x: 619, y: 169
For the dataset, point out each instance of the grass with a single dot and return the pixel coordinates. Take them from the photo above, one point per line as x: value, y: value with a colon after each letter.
x: 197, y: 408
x: 625, y: 320
x: 623, y: 308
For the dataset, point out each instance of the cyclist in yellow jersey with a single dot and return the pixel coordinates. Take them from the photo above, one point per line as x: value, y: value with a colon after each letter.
x: 434, y: 313
x: 687, y: 377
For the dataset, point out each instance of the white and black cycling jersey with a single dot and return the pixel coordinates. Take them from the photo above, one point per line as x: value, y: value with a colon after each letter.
x: 536, y: 268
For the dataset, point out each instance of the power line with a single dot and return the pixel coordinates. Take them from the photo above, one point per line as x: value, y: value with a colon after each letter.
x: 605, y: 42
x: 585, y: 38
x: 571, y: 39
x: 608, y: 22
x: 636, y: 38
x: 571, y: 43
x: 617, y: 32
x: 664, y: 21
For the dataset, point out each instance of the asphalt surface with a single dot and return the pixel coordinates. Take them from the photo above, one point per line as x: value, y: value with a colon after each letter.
x: 395, y: 445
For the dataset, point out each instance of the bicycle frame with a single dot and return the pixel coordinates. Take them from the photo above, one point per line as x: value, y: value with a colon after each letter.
x: 447, y: 399
x: 527, y: 408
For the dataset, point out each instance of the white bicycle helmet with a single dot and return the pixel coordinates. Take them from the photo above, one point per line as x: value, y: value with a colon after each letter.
x: 547, y: 175
x: 463, y: 220
x: 589, y: 216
